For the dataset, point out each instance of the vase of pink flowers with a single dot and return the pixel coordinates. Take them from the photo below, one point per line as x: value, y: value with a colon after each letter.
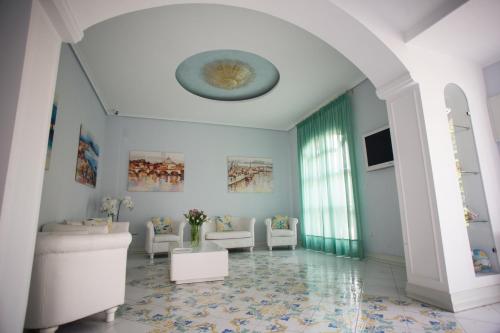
x: 195, y: 218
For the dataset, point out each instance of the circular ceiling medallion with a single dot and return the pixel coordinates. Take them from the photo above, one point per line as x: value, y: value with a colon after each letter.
x: 227, y: 75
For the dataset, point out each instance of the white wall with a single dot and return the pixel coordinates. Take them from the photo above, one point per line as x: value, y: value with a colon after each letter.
x: 28, y: 103
x: 492, y: 79
x: 62, y: 197
x: 205, y: 149
x: 14, y: 21
x: 379, y: 205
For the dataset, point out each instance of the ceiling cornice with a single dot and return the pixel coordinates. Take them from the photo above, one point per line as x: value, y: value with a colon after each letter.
x: 64, y: 20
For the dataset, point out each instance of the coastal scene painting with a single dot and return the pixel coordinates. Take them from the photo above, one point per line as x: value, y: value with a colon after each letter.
x: 249, y: 174
x: 51, y: 135
x: 155, y: 172
x: 87, y: 158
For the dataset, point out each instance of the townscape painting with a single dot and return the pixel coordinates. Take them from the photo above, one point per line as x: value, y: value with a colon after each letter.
x: 155, y: 172
x: 87, y: 158
x: 51, y: 135
x: 249, y: 174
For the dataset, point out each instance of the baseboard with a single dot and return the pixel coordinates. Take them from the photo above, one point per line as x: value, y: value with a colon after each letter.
x: 476, y: 297
x: 455, y: 302
x: 439, y: 298
x: 386, y: 258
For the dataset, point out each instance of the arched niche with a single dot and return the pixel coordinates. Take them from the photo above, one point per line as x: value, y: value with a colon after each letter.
x: 468, y: 169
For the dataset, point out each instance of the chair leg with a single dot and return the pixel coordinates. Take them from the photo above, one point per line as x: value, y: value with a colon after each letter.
x: 270, y: 248
x: 251, y: 248
x: 110, y: 314
x: 293, y: 247
x: 49, y: 329
x: 151, y: 257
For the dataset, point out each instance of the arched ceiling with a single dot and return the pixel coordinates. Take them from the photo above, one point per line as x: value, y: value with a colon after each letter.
x: 132, y: 60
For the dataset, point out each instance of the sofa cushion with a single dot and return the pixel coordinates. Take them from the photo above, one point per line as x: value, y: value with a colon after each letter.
x: 159, y: 238
x: 61, y: 227
x: 162, y: 226
x: 280, y: 222
x: 282, y: 233
x: 228, y: 235
x: 223, y: 223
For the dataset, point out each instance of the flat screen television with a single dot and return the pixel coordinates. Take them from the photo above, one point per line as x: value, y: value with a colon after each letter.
x: 378, y: 149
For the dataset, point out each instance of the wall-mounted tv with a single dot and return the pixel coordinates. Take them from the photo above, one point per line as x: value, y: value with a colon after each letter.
x: 378, y: 149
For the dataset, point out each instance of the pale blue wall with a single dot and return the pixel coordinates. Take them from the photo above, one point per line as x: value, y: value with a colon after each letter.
x: 62, y: 197
x: 205, y: 149
x: 378, y: 193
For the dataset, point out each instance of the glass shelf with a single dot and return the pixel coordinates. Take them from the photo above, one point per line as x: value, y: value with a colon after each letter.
x: 470, y: 172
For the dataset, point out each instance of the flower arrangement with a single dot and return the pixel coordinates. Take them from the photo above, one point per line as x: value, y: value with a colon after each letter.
x: 111, y: 206
x: 195, y: 218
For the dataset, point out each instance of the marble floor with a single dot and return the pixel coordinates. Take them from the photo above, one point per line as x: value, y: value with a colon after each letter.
x: 281, y: 291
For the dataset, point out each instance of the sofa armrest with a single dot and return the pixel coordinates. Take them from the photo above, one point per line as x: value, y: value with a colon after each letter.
x: 150, y: 235
x: 63, y: 243
x: 251, y: 226
x: 179, y: 230
x: 208, y: 226
x: 293, y: 224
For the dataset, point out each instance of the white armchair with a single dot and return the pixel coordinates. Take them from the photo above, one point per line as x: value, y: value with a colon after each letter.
x: 163, y: 242
x: 282, y: 237
x: 76, y: 274
x: 242, y: 234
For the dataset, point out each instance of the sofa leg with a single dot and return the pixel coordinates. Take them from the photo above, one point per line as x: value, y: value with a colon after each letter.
x: 49, y: 329
x: 270, y: 248
x: 251, y: 248
x: 110, y: 314
x: 293, y: 247
x: 151, y: 257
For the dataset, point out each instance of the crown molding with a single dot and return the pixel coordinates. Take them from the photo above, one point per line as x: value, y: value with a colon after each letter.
x: 64, y: 20
x: 393, y: 88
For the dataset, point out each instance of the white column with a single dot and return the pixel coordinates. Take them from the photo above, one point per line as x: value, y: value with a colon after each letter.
x: 24, y: 165
x: 420, y: 222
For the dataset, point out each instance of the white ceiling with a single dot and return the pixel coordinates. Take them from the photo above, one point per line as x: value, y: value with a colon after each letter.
x: 471, y: 32
x: 132, y: 61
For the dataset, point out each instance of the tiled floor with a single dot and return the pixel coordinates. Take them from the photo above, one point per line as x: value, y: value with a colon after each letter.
x: 282, y: 291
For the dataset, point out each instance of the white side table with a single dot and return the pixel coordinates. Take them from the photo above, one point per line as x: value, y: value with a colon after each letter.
x: 208, y: 262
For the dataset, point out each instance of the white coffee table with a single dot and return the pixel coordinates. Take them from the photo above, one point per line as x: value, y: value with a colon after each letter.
x: 208, y: 262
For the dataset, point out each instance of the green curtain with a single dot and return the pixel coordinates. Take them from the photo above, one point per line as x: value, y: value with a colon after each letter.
x: 330, y: 217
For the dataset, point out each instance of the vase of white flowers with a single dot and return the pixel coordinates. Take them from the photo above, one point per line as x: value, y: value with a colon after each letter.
x: 111, y: 206
x: 195, y: 219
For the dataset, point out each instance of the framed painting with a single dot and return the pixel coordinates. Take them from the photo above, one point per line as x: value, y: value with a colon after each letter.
x: 87, y: 159
x: 155, y: 172
x: 249, y: 174
x: 53, y: 117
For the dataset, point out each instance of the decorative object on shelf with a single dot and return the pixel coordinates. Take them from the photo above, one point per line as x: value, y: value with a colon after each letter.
x: 87, y: 158
x: 469, y: 215
x: 155, y: 172
x: 195, y: 219
x: 227, y: 75
x: 481, y: 261
x: 55, y: 107
x: 111, y: 206
x: 249, y: 174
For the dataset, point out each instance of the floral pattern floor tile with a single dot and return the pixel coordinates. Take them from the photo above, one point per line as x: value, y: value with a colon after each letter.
x: 280, y: 291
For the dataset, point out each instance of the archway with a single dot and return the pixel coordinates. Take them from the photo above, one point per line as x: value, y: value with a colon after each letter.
x: 53, y: 21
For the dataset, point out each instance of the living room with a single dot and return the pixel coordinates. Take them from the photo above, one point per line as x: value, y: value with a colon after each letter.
x: 119, y: 88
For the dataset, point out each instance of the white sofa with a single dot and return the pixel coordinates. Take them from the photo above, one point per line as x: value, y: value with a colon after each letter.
x: 242, y: 235
x: 282, y: 237
x: 163, y: 242
x: 76, y: 274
